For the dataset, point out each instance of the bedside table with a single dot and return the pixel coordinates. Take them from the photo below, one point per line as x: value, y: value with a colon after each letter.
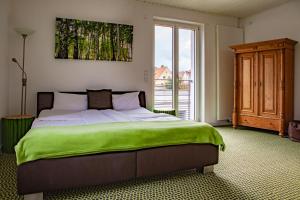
x: 13, y: 129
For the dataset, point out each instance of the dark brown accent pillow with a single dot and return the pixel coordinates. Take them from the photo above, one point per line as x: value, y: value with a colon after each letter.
x: 99, y: 99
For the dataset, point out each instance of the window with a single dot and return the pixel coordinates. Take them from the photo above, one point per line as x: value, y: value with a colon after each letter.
x: 175, y: 74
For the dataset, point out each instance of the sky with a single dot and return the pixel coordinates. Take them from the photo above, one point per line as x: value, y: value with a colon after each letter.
x: 163, y: 47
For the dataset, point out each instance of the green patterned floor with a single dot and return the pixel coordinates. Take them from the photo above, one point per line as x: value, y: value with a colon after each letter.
x: 255, y: 165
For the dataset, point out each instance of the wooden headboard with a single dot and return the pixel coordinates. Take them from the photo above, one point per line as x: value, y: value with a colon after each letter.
x: 45, y: 99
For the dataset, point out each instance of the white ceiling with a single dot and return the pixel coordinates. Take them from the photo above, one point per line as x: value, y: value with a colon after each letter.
x: 235, y: 8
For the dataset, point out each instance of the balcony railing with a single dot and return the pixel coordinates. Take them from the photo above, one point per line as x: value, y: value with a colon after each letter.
x: 163, y: 97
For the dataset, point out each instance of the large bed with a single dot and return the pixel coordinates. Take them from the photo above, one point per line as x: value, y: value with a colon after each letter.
x: 62, y: 172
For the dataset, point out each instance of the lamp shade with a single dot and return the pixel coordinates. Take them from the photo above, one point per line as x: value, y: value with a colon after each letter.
x: 24, y: 31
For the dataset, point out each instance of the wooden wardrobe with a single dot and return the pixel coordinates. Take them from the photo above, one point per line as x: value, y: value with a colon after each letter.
x: 264, y: 84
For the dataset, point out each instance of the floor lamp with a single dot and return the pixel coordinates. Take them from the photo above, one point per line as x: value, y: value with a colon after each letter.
x: 24, y: 32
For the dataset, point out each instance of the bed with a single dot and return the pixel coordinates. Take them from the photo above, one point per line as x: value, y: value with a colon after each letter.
x: 43, y: 175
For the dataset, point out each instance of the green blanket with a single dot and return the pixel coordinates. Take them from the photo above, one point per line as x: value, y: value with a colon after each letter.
x: 56, y: 142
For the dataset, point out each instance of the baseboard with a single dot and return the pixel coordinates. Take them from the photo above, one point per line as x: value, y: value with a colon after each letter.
x: 221, y: 123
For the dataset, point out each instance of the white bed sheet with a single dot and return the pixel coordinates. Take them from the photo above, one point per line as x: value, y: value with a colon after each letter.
x: 142, y: 114
x: 69, y: 118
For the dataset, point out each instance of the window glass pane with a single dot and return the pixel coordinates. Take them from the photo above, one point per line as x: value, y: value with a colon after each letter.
x: 163, y: 80
x: 186, y: 74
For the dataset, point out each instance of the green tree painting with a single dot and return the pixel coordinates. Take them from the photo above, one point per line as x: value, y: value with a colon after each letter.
x: 88, y: 40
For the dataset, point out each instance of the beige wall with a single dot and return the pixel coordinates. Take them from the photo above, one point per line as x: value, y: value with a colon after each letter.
x: 4, y: 13
x: 47, y: 74
x: 279, y: 22
x: 226, y: 36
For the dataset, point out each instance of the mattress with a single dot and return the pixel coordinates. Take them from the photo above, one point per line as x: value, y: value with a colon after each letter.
x: 57, y: 133
x: 73, y: 118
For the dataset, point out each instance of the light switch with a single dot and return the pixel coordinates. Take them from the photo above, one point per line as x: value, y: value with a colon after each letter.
x: 146, y: 75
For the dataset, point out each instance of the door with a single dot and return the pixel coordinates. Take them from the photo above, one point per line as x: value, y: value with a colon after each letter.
x: 247, y: 75
x: 268, y: 83
x: 174, y: 77
x: 185, y: 85
x: 163, y: 71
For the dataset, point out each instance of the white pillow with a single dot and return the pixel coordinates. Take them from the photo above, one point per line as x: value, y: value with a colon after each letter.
x: 64, y: 101
x: 127, y: 101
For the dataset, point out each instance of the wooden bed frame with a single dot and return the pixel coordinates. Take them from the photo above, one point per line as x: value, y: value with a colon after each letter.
x: 36, y: 177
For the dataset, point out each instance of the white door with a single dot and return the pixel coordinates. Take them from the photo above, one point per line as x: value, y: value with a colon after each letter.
x: 175, y: 74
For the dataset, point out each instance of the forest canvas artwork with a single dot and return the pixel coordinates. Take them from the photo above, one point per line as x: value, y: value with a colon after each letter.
x: 89, y: 40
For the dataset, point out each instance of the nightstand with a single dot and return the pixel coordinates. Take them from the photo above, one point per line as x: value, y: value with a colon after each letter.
x: 170, y: 112
x: 13, y: 129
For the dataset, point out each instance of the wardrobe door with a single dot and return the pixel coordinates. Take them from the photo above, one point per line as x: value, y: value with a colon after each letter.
x: 269, y: 67
x: 247, y: 80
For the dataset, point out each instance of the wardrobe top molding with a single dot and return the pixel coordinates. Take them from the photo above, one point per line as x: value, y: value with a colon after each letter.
x: 283, y: 43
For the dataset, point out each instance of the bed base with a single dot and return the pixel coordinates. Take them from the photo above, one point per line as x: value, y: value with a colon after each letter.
x: 80, y: 171
x: 39, y: 196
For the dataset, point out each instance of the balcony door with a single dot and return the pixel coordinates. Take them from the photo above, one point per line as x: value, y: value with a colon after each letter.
x: 175, y: 76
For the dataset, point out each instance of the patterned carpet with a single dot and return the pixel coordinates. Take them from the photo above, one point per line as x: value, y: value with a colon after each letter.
x: 255, y: 165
